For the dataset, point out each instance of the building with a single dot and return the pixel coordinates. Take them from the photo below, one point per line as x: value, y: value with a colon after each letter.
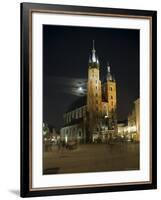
x: 50, y: 134
x: 130, y: 130
x: 122, y: 129
x: 134, y: 121
x: 92, y: 118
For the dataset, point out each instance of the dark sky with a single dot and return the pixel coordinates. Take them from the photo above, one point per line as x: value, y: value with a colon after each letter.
x: 66, y: 52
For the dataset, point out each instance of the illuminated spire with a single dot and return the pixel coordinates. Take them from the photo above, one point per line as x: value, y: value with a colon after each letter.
x: 93, y: 58
x: 93, y: 47
x: 89, y: 61
x: 97, y: 61
x: 109, y: 76
x: 93, y: 54
x: 108, y: 67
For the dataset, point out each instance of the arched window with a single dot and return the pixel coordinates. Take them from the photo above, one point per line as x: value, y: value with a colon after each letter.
x: 80, y: 134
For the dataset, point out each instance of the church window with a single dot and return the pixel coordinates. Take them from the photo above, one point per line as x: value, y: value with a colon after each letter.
x: 80, y: 113
x: 111, y: 88
x: 111, y: 103
x: 80, y: 134
x: 69, y: 117
x: 111, y: 97
x: 72, y: 114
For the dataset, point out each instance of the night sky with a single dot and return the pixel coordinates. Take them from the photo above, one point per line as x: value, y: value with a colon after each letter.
x: 66, y: 52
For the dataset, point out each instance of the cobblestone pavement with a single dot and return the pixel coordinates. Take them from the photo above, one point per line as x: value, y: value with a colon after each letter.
x: 92, y: 158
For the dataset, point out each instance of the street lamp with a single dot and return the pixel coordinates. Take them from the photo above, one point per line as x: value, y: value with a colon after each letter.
x: 66, y: 138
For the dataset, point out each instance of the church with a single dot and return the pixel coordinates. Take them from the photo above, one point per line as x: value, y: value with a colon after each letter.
x: 93, y: 117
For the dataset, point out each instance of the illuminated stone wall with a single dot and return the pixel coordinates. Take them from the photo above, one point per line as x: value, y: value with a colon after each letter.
x: 111, y: 95
x: 137, y: 111
x: 94, y: 101
x: 134, y: 122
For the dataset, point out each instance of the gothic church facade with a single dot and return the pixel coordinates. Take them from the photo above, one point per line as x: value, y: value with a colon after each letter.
x: 93, y: 118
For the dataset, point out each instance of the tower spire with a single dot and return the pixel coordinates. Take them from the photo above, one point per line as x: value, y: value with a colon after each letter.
x: 108, y: 67
x: 93, y: 53
x: 93, y: 47
x: 93, y: 58
x: 90, y: 61
x: 109, y: 76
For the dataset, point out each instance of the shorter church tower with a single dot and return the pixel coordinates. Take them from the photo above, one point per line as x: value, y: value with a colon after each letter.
x: 111, y: 99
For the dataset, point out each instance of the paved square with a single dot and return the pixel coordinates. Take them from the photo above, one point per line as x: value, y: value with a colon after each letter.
x: 91, y: 158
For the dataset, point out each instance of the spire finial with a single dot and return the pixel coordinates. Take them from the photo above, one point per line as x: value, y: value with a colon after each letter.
x: 93, y: 45
x: 108, y: 67
x: 109, y: 76
x: 93, y: 53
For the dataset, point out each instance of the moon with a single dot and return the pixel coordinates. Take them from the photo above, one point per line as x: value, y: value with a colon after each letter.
x: 80, y: 89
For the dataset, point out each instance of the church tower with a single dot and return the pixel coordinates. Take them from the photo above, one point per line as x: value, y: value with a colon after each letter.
x: 94, y: 95
x: 111, y: 99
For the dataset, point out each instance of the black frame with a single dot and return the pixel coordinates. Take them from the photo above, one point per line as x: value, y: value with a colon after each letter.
x: 26, y: 9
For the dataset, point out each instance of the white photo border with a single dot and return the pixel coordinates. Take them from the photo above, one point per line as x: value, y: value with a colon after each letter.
x: 101, y: 178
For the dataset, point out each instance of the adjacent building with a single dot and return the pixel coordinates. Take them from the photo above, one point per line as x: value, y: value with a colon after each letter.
x: 130, y: 130
x: 134, y: 121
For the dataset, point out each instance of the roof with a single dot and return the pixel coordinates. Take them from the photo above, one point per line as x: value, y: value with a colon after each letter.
x: 81, y: 101
x: 73, y: 122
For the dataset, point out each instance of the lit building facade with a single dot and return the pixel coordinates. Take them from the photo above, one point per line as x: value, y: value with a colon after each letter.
x: 93, y: 118
x: 131, y: 129
x: 134, y: 121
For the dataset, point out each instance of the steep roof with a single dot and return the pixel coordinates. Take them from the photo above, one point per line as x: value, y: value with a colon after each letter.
x: 81, y: 101
x: 73, y: 122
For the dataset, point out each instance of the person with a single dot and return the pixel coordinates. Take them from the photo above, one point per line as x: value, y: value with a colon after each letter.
x: 59, y: 145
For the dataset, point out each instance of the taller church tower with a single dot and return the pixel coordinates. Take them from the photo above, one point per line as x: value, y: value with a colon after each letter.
x: 94, y: 96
